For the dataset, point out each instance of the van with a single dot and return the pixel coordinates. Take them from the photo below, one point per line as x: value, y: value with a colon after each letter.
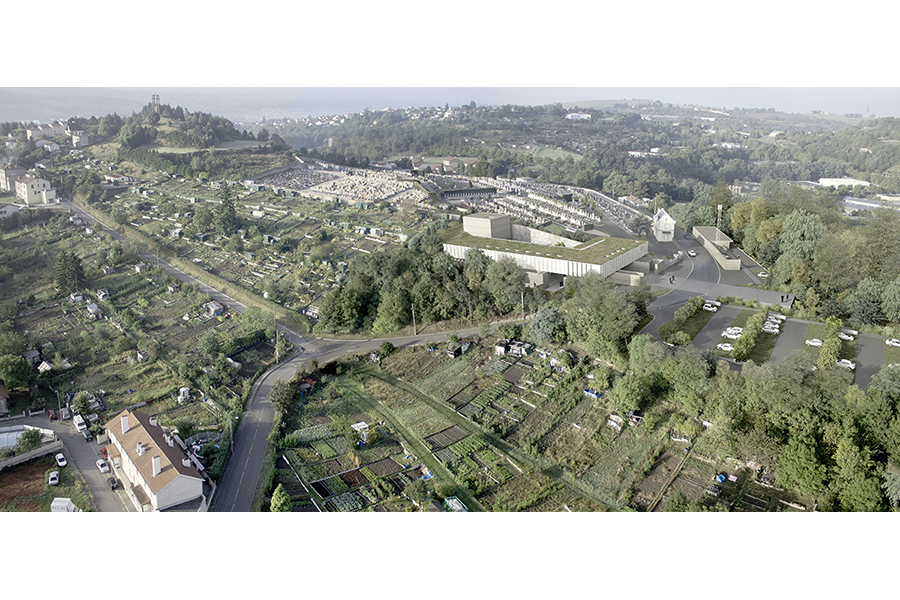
x: 80, y: 425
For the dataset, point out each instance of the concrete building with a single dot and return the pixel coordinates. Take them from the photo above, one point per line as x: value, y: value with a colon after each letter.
x: 488, y: 225
x: 663, y: 226
x: 156, y: 472
x: 604, y: 255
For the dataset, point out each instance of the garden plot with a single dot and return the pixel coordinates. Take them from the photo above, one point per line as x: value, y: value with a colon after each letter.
x: 646, y: 491
x: 445, y: 438
x: 623, y: 463
x: 449, y: 379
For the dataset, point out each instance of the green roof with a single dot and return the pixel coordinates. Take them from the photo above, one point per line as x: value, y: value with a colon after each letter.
x: 596, y: 251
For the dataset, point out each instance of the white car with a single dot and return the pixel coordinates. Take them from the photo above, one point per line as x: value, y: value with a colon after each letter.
x: 774, y: 330
x: 845, y: 337
x: 731, y: 336
x: 725, y: 347
x: 101, y: 464
x: 762, y: 274
x: 847, y: 364
x: 734, y: 329
x: 709, y: 307
x: 60, y: 460
x: 892, y: 342
x: 814, y: 342
x: 54, y: 478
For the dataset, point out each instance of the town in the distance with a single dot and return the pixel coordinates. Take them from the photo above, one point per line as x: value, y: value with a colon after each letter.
x: 598, y: 306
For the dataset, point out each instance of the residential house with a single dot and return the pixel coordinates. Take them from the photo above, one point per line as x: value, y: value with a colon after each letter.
x: 34, y: 190
x: 663, y: 226
x: 9, y: 174
x: 75, y: 297
x: 48, y: 145
x: 500, y: 347
x: 156, y: 472
x: 46, y: 131
x: 8, y: 210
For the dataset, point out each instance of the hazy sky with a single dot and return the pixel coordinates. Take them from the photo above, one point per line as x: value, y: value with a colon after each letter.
x: 254, y: 104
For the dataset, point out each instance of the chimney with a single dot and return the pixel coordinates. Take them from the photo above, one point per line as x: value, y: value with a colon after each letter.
x: 156, y: 466
x: 153, y: 421
x: 186, y: 462
x: 140, y: 449
x: 124, y: 424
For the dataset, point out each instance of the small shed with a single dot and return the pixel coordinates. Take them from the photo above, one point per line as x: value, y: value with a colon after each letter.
x: 60, y: 505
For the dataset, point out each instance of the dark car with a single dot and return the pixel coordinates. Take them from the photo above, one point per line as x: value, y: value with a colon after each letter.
x: 113, y: 483
x: 87, y: 435
x: 51, y: 414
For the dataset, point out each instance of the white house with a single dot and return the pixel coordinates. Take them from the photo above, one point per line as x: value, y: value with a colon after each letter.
x: 663, y: 226
x: 34, y: 190
x: 9, y: 209
x: 156, y: 472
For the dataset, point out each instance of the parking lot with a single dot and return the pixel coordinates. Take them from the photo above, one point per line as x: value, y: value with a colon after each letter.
x: 869, y: 349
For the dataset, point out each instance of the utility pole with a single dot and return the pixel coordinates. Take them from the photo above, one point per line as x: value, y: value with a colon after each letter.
x: 523, y: 307
x: 411, y: 306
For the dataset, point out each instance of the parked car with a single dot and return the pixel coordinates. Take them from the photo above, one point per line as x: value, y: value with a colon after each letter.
x: 113, y: 482
x: 845, y: 337
x: 61, y: 460
x: 51, y: 414
x: 104, y: 453
x: 65, y: 413
x: 734, y: 329
x: 709, y: 307
x: 847, y: 364
x: 101, y: 464
x: 725, y: 347
x: 731, y: 335
x: 814, y: 342
x: 54, y: 478
x: 762, y: 275
x: 87, y: 435
x: 892, y: 342
x: 774, y: 330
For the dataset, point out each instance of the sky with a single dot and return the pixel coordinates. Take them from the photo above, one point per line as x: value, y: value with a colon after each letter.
x: 249, y: 105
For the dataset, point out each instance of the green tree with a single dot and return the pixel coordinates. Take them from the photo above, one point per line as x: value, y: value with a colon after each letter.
x: 280, y: 502
x: 505, y: 281
x: 30, y: 439
x: 14, y: 370
x: 281, y: 395
x: 225, y: 219
x: 203, y: 218
x: 547, y: 326
x: 890, y: 301
x: 864, y: 303
x: 81, y: 403
x: 69, y: 273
